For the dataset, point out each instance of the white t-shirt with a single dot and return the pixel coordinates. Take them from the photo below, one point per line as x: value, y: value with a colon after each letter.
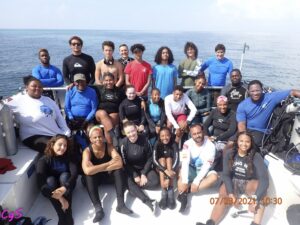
x: 173, y: 108
x: 197, y: 156
x: 37, y: 116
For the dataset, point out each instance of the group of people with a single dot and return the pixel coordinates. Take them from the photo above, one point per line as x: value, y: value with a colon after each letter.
x: 139, y: 145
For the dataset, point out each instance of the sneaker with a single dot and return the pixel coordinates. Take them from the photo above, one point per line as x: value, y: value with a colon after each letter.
x: 163, y: 203
x: 171, y: 199
x: 124, y: 210
x: 183, y: 199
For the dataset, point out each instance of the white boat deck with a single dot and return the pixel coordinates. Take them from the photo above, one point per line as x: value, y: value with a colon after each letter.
x: 19, y: 190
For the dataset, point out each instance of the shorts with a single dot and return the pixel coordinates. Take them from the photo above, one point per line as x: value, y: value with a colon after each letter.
x: 193, y: 173
x: 239, y: 186
x: 181, y: 117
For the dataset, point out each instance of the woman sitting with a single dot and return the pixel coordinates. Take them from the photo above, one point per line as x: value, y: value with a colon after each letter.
x: 137, y: 158
x: 38, y: 116
x: 56, y: 177
x: 166, y: 160
x: 155, y: 114
x: 100, y: 163
x: 131, y: 110
x: 244, y: 172
x: 110, y: 97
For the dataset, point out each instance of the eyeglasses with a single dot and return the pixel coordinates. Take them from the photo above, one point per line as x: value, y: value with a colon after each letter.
x: 76, y: 43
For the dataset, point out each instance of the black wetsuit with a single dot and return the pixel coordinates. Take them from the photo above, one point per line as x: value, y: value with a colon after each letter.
x: 110, y: 99
x: 235, y: 94
x: 55, y: 172
x: 82, y: 63
x: 124, y: 62
x: 93, y: 181
x: 166, y: 151
x: 239, y: 172
x: 137, y: 159
x: 224, y: 125
x: 131, y: 110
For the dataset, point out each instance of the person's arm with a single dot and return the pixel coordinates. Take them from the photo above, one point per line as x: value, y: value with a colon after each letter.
x: 41, y: 173
x: 208, y: 160
x: 241, y: 118
x: 68, y: 105
x: 262, y: 176
x: 61, y: 122
x: 142, y: 116
x: 59, y: 81
x: 155, y: 158
x: 94, y: 104
x: 116, y: 160
x: 195, y: 71
x: 154, y: 76
x: 122, y: 111
x: 208, y: 122
x: 150, y: 122
x: 175, y: 158
x: 47, y: 82
x: 148, y: 164
x: 185, y: 162
x: 88, y: 167
x: 92, y: 70
x: 191, y: 106
x: 230, y: 66
x: 145, y: 88
x: 98, y: 73
x: 226, y: 174
x: 295, y: 93
x: 121, y: 79
x: 127, y: 71
x: 204, y: 66
x: 168, y: 106
x: 66, y: 72
x: 231, y: 129
x: 163, y: 117
x: 180, y: 70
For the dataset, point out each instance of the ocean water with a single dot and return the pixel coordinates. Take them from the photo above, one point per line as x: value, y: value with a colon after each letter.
x: 273, y: 59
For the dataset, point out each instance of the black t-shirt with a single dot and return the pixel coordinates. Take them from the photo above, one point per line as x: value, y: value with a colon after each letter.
x: 235, y: 95
x: 82, y: 63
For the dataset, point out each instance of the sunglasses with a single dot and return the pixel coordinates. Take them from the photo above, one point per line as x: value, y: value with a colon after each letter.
x: 75, y: 43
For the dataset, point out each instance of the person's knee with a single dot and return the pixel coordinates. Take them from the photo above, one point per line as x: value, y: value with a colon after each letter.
x: 63, y: 178
x: 52, y: 183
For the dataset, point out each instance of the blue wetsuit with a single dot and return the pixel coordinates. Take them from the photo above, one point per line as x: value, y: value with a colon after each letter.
x: 81, y: 103
x: 49, y: 76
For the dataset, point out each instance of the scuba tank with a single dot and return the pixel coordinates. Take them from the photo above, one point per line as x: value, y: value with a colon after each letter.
x: 2, y: 144
x: 7, y: 125
x: 295, y: 136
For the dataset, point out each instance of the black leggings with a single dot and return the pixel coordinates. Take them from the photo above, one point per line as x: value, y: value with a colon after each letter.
x: 93, y: 181
x: 37, y: 142
x: 135, y: 190
x: 64, y: 217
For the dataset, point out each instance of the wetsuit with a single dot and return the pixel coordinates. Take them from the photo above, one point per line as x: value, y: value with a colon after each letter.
x: 202, y: 101
x: 93, y: 181
x: 131, y: 110
x: 235, y: 94
x: 82, y: 63
x: 155, y: 115
x: 137, y: 159
x: 110, y: 99
x: 170, y: 150
x: 49, y: 76
x: 55, y: 172
x: 124, y: 62
x: 236, y: 178
x: 224, y: 125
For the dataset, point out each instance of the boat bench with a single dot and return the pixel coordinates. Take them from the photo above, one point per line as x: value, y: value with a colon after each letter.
x: 18, y: 188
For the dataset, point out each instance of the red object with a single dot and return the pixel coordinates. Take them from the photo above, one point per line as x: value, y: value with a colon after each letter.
x: 6, y: 165
x: 181, y: 117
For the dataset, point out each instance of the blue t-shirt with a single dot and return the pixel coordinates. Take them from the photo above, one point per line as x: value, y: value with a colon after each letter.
x: 218, y: 70
x: 81, y: 103
x: 164, y: 78
x: 257, y: 114
x: 49, y: 76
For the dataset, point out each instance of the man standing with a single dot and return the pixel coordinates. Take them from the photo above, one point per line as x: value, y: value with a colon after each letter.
x: 78, y: 62
x: 109, y: 65
x: 254, y: 112
x: 50, y: 76
x: 138, y: 72
x: 235, y: 92
x: 125, y: 59
x: 198, y: 155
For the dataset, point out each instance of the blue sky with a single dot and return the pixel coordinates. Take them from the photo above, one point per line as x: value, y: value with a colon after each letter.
x: 266, y: 16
